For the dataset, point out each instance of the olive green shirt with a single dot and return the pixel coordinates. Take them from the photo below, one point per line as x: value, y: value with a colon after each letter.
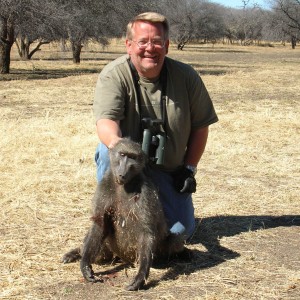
x: 188, y: 104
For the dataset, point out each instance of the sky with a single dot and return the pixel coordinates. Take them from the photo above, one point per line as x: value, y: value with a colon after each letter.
x: 239, y: 3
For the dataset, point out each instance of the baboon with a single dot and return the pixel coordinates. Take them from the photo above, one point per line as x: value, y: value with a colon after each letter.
x: 128, y: 218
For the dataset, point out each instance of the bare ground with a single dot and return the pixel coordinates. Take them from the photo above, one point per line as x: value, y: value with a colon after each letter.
x: 247, y: 243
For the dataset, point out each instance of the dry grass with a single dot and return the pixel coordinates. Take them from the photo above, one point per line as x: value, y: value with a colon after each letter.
x: 248, y: 239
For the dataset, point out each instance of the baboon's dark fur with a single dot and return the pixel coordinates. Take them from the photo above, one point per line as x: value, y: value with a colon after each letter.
x: 128, y: 219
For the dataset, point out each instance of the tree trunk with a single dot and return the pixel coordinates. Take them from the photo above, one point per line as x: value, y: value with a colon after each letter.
x: 37, y: 48
x: 23, y: 48
x: 4, y: 57
x: 294, y: 42
x: 76, y: 50
x: 63, y: 47
x: 180, y: 46
x: 6, y: 42
x: 25, y: 45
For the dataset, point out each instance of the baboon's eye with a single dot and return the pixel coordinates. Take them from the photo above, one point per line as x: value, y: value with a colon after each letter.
x: 132, y: 156
x: 122, y: 154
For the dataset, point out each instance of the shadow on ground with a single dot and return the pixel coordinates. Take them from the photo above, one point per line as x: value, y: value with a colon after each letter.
x: 209, y: 232
x: 46, y: 74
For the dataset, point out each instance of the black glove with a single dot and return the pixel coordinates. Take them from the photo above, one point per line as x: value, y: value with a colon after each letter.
x: 184, y: 181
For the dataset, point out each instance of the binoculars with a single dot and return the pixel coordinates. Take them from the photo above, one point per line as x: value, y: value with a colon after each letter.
x: 153, y: 140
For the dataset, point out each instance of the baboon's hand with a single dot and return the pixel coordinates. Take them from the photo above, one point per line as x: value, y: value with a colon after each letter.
x: 88, y: 273
x: 135, y: 285
x: 71, y: 256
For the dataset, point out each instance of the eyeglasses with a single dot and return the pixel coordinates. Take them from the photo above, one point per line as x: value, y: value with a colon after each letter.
x: 143, y: 44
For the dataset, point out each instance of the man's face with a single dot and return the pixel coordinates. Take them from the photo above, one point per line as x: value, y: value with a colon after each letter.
x: 149, y: 60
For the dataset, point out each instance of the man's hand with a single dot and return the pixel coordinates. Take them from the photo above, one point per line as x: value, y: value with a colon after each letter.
x: 184, y: 181
x: 109, y: 132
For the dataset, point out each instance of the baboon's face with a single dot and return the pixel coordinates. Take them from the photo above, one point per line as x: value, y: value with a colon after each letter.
x: 127, y: 160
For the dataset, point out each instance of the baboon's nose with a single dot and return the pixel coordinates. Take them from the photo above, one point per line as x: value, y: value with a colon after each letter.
x: 120, y: 179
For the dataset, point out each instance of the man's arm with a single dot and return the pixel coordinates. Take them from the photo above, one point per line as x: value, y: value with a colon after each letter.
x: 196, y: 146
x: 184, y: 181
x: 109, y: 132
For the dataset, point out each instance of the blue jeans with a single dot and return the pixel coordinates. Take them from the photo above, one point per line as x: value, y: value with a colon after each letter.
x: 178, y: 207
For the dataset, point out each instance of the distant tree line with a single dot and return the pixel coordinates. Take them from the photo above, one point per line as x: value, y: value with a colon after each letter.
x: 32, y: 23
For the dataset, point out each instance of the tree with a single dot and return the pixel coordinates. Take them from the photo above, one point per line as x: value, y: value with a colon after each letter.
x: 287, y: 12
x: 194, y: 20
x: 250, y: 24
x: 8, y: 18
x: 94, y: 20
x: 182, y: 16
x: 245, y: 25
x: 39, y: 22
x: 210, y: 24
x: 28, y: 20
x: 40, y: 25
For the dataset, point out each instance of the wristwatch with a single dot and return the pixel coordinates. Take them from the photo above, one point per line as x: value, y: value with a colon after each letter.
x: 193, y: 169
